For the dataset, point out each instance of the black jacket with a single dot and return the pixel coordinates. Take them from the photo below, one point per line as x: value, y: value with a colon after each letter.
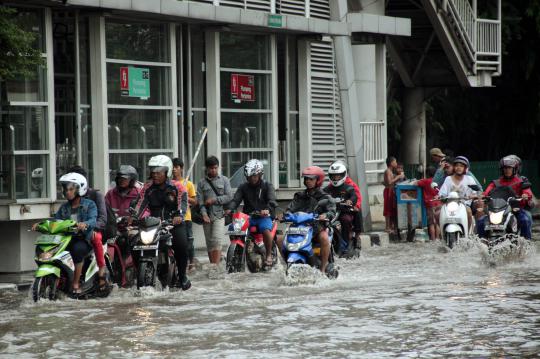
x: 256, y: 198
x: 316, y: 201
x: 345, y: 192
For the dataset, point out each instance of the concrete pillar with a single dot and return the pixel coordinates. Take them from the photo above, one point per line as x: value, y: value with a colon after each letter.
x: 17, y: 246
x: 351, y: 109
x: 413, y: 129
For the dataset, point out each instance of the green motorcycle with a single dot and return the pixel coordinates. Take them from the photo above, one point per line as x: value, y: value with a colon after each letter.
x: 54, y: 275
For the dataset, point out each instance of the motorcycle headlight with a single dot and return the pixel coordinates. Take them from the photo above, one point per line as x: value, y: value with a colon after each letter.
x: 496, y: 217
x: 452, y: 208
x: 147, y: 237
x: 45, y: 256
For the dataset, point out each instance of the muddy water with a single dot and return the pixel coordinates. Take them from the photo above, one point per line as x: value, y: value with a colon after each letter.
x: 407, y: 300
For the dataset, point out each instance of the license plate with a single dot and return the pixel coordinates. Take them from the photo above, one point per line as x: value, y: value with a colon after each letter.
x: 146, y: 248
x: 298, y: 230
x: 496, y: 227
x: 236, y: 233
x: 49, y: 239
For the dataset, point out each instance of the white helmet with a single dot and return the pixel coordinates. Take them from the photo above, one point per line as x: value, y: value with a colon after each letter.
x: 161, y: 163
x: 253, y: 167
x: 78, y: 180
x: 337, y: 168
x: 37, y: 172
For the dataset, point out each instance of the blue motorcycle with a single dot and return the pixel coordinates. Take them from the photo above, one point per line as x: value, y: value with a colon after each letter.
x: 298, y: 246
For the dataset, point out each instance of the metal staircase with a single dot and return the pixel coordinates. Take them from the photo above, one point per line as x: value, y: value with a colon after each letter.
x: 473, y: 44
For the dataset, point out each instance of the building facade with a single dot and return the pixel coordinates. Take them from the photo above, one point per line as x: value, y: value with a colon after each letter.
x: 291, y: 82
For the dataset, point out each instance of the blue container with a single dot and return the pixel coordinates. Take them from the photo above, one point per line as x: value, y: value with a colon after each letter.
x: 411, y: 212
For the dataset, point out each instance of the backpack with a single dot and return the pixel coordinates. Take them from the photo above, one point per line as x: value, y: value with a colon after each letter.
x: 110, y: 225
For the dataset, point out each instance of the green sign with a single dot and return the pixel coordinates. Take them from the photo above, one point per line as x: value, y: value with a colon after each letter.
x: 275, y: 20
x: 135, y: 82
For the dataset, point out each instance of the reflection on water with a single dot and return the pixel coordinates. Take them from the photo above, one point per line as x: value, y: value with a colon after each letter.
x: 407, y: 300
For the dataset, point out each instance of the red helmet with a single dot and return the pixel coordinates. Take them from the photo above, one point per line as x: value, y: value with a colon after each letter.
x: 314, y: 172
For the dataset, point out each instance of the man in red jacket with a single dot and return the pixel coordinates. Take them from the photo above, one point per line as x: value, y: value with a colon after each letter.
x: 509, y: 168
x: 358, y: 223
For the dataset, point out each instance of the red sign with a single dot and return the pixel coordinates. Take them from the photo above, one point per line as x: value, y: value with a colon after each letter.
x: 243, y: 87
x: 124, y: 81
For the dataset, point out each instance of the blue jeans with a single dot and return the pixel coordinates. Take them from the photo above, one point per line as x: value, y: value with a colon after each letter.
x: 524, y: 220
x: 262, y: 223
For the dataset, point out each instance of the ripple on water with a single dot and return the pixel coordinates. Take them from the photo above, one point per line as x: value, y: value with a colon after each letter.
x: 406, y: 300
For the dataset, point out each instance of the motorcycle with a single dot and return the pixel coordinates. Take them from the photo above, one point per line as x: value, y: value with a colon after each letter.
x: 247, y: 245
x: 298, y: 246
x: 152, y: 252
x: 453, y: 219
x: 501, y: 222
x: 122, y: 268
x: 343, y: 247
x: 55, y: 264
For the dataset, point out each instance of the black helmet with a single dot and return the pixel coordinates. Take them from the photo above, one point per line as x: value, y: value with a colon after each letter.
x: 127, y: 172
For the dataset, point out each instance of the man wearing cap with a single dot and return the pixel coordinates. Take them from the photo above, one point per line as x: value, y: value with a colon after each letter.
x: 436, y: 156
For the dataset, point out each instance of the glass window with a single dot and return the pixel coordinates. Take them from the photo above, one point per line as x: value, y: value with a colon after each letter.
x: 31, y: 20
x: 261, y: 88
x: 23, y: 128
x: 159, y: 87
x: 233, y: 165
x: 244, y: 51
x: 198, y: 74
x: 25, y: 89
x: 139, y: 129
x: 245, y: 130
x: 32, y: 176
x: 137, y: 160
x: 137, y: 41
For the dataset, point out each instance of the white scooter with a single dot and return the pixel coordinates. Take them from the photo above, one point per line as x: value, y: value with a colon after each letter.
x: 453, y: 219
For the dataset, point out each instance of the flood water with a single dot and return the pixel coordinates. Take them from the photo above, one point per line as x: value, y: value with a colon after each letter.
x: 406, y: 300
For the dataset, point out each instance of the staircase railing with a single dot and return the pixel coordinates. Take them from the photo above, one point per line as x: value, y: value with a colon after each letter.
x: 480, y: 38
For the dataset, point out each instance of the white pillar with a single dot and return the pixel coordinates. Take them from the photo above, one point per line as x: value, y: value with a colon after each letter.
x: 413, y: 130
x: 213, y: 99
x: 98, y: 86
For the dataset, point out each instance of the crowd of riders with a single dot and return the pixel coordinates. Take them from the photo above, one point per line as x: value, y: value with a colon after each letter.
x: 167, y: 195
x: 453, y: 174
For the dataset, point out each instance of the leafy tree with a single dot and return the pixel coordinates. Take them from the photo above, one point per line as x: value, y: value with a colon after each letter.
x: 19, y: 55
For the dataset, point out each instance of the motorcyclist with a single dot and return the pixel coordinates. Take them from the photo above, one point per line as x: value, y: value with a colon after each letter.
x: 257, y: 195
x: 339, y: 189
x: 84, y: 212
x: 162, y: 198
x: 460, y: 182
x: 314, y: 199
x: 509, y: 168
x: 101, y: 223
x: 125, y: 191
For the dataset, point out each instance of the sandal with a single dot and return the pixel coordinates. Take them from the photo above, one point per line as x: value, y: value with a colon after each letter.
x: 268, y: 263
x: 103, y: 285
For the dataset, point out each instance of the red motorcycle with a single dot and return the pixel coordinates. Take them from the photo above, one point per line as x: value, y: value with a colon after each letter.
x: 247, y: 245
x: 123, y: 270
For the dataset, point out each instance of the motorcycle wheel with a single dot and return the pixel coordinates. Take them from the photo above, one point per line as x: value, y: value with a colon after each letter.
x: 451, y: 239
x: 168, y: 271
x: 45, y: 288
x: 146, y: 275
x: 235, y: 259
